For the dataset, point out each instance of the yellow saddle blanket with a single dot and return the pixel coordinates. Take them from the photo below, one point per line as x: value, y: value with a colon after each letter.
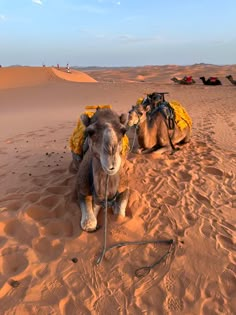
x: 182, y: 118
x: 78, y: 137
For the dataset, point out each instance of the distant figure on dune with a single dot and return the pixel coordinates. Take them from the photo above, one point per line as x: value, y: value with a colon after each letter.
x: 211, y: 81
x: 68, y: 68
x: 188, y: 80
x: 230, y: 78
x: 58, y: 66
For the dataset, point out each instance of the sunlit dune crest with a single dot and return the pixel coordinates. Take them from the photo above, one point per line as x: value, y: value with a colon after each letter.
x: 11, y: 77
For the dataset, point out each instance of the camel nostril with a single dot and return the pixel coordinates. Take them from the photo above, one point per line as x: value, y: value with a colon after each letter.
x: 111, y: 168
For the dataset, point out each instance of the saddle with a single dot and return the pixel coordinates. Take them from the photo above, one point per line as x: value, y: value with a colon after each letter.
x: 167, y: 112
x: 188, y: 79
x: 213, y: 79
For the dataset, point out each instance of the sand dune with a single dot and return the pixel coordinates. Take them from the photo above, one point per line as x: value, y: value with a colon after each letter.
x: 12, y: 77
x: 188, y: 197
x: 162, y: 74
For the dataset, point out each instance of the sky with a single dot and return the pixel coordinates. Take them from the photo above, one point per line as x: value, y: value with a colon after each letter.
x: 117, y: 32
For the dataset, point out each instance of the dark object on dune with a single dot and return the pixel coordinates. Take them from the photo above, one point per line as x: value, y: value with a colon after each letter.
x: 188, y: 80
x: 211, y: 81
x: 230, y: 78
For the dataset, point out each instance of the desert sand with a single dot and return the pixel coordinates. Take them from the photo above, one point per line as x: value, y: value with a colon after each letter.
x: 188, y: 196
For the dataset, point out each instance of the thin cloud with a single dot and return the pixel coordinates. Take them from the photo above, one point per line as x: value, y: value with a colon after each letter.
x: 40, y: 2
x: 86, y: 8
x: 2, y: 17
x: 132, y: 39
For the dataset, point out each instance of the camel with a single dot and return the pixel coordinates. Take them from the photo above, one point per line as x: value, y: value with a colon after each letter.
x: 230, y: 78
x: 157, y: 131
x: 104, y: 158
x: 211, y: 81
x: 187, y: 80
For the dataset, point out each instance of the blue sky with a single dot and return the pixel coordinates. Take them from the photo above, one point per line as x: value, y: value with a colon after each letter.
x: 117, y: 32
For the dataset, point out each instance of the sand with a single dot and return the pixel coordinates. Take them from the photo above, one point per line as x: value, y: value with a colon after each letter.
x: 188, y: 197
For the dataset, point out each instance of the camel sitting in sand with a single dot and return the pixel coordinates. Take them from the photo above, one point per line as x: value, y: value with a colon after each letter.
x: 157, y: 128
x: 188, y: 80
x: 105, y: 157
x: 211, y: 81
x: 230, y: 78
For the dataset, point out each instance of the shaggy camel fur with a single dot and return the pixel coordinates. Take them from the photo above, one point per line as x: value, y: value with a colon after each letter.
x: 230, y: 78
x: 211, y: 81
x: 153, y: 132
x: 186, y: 80
x: 105, y: 131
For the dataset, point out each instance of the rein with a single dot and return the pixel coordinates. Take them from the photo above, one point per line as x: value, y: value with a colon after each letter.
x: 142, y: 271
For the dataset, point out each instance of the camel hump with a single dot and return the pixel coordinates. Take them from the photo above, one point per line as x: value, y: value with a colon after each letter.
x: 182, y: 118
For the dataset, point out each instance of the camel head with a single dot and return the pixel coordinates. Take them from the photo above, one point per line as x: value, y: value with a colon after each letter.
x: 105, y: 131
x: 136, y: 115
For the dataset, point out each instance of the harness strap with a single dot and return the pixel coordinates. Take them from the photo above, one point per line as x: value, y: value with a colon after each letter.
x: 110, y: 201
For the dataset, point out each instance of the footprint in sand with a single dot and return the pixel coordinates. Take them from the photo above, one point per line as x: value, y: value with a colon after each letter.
x: 58, y: 227
x: 184, y: 176
x: 3, y: 240
x: 207, y: 229
x: 32, y: 196
x: 14, y: 261
x: 39, y: 212
x: 171, y: 200
x: 58, y: 190
x: 226, y: 242
x: 67, y: 306
x: 214, y: 171
x: 46, y: 249
x: 13, y: 205
x: 22, y: 233
x: 228, y: 283
x: 174, y: 304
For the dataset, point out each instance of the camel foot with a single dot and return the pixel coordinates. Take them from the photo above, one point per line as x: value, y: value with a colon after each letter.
x: 89, y: 224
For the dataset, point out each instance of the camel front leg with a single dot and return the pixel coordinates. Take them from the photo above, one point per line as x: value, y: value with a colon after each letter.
x: 88, y: 220
x: 121, y: 202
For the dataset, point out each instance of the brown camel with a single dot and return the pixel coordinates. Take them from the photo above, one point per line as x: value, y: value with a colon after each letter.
x: 154, y: 130
x: 211, y: 81
x: 105, y: 131
x: 230, y: 78
x: 187, y: 80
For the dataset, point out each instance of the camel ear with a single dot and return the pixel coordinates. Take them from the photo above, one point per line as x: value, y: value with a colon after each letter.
x: 85, y: 119
x: 90, y: 130
x: 123, y: 118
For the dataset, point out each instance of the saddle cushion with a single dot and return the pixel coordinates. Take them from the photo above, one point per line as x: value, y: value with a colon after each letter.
x: 182, y: 118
